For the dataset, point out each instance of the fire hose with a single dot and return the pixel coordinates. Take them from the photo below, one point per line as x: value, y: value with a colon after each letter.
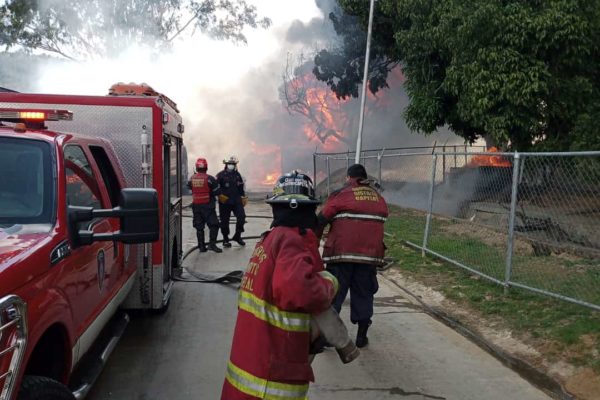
x: 230, y: 277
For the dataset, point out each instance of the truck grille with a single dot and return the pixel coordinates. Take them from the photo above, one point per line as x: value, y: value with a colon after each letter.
x: 13, y: 338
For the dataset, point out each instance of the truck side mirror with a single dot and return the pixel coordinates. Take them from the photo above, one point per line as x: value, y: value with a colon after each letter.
x: 138, y: 214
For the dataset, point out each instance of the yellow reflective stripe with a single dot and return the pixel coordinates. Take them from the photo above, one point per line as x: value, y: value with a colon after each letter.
x: 331, y: 278
x: 262, y: 388
x: 289, y: 321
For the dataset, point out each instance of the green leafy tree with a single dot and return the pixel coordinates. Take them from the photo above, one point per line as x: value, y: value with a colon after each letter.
x: 91, y: 28
x: 520, y: 73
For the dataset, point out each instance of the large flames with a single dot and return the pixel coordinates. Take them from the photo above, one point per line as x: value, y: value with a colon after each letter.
x: 327, y: 122
x: 489, y: 161
x: 327, y: 118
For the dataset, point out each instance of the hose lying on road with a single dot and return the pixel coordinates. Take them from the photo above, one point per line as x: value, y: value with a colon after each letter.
x: 230, y: 277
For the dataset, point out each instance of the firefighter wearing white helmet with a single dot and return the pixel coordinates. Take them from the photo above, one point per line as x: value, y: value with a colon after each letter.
x: 232, y: 200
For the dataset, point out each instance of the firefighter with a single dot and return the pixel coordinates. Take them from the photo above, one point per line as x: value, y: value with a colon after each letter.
x: 204, y: 189
x: 354, y: 247
x: 284, y: 284
x: 232, y: 199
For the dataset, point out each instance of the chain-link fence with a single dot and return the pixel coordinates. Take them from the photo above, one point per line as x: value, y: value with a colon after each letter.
x: 385, y: 165
x: 527, y: 220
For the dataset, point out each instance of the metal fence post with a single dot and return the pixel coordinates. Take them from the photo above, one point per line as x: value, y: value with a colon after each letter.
x: 314, y: 169
x: 444, y: 163
x: 511, y: 222
x: 455, y: 161
x: 328, y: 177
x: 430, y: 205
x: 379, y: 159
x: 347, y: 160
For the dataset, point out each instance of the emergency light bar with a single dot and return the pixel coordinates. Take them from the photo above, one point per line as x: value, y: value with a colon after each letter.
x: 25, y: 115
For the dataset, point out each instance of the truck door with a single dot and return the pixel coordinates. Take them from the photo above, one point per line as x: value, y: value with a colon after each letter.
x: 120, y: 272
x: 90, y: 266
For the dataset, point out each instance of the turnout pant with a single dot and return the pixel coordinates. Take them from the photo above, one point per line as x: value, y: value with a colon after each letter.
x: 205, y: 214
x: 225, y: 211
x: 361, y: 281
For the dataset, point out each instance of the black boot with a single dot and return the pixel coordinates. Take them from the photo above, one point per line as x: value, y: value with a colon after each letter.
x: 212, y: 244
x: 226, y: 242
x: 361, y: 337
x: 238, y: 238
x: 201, y: 243
x: 213, y: 247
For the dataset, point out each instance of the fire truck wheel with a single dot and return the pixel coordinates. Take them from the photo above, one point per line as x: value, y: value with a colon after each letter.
x: 42, y: 388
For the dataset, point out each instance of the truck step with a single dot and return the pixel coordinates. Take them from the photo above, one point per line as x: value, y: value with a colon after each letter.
x: 92, y: 364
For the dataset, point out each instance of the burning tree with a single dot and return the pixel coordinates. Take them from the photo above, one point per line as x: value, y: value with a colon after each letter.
x: 302, y: 94
x: 330, y: 118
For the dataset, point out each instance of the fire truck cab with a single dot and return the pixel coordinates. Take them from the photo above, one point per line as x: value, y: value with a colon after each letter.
x: 90, y: 222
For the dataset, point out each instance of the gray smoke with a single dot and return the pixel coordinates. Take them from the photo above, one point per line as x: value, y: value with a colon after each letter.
x: 242, y: 115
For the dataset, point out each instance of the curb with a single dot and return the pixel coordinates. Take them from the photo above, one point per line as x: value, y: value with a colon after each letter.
x: 539, y: 379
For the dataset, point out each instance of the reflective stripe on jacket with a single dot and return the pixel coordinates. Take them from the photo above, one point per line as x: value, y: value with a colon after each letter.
x: 356, y: 214
x: 280, y: 289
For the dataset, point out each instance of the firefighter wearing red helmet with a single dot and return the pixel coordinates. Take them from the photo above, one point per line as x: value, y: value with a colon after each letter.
x: 354, y: 247
x: 204, y: 189
x: 284, y: 284
x: 232, y: 200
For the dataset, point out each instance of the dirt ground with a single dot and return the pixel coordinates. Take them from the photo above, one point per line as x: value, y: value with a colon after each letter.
x: 583, y: 383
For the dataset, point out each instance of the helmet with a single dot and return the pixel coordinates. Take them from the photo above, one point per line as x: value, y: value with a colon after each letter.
x: 201, y: 164
x: 293, y: 188
x: 231, y: 160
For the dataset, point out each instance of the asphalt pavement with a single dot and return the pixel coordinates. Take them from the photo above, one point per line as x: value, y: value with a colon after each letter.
x: 182, y: 354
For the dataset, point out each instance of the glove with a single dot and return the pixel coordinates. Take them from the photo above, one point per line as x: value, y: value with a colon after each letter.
x: 244, y: 201
x: 330, y: 277
x: 222, y: 198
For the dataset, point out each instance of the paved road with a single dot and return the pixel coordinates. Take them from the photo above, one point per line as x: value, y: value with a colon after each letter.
x: 182, y: 355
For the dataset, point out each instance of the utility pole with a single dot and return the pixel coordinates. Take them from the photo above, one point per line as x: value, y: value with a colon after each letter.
x: 363, y: 97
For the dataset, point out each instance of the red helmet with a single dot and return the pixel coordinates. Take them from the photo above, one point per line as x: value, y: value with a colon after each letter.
x: 201, y: 164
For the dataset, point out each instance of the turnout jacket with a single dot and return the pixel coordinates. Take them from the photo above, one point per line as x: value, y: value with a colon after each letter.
x: 204, y: 188
x: 232, y: 186
x: 356, y: 214
x: 281, y: 288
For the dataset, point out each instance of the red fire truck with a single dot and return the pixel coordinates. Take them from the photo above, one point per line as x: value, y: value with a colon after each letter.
x: 84, y: 182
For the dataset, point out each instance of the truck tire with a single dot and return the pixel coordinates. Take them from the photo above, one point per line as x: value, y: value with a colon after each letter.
x: 42, y: 388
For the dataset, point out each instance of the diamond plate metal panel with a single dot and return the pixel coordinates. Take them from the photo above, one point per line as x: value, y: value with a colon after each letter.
x: 121, y: 126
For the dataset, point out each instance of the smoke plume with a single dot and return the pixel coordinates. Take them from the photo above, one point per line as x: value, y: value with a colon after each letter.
x: 228, y: 94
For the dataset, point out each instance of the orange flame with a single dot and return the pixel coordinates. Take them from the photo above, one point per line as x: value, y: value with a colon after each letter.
x: 270, y: 179
x: 267, y: 165
x: 327, y: 119
x: 489, y: 161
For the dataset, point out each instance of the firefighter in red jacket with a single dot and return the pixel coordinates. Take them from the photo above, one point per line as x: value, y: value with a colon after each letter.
x: 284, y: 284
x: 354, y: 247
x: 204, y: 189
